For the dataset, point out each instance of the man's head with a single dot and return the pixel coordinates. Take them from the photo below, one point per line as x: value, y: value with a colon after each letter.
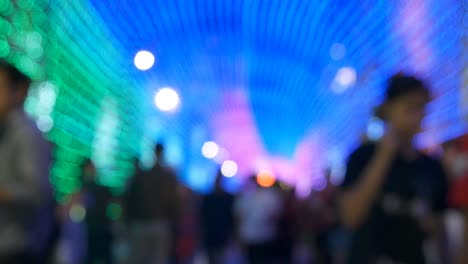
x: 13, y: 88
x: 405, y: 103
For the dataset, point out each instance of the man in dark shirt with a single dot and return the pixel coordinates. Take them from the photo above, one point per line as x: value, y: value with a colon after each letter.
x: 217, y: 220
x: 152, y: 206
x: 393, y: 195
x: 98, y: 225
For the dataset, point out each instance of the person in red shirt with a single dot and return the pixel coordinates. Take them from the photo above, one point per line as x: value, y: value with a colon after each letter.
x: 455, y: 160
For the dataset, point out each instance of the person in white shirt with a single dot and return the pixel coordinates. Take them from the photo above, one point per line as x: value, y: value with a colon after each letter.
x: 257, y: 211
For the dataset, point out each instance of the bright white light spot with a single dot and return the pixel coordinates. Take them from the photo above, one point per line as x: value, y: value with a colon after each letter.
x: 77, y: 213
x: 47, y: 94
x: 229, y: 168
x: 166, y: 99
x: 345, y: 78
x: 210, y: 150
x: 45, y: 123
x: 337, y: 51
x: 144, y: 60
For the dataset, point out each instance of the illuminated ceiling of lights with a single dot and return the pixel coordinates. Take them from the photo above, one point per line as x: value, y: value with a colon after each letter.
x: 281, y: 85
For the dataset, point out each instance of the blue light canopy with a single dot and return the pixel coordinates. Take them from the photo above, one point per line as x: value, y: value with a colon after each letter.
x: 279, y: 85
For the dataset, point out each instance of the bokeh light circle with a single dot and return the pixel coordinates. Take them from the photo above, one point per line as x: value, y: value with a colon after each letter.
x: 77, y: 213
x: 229, y: 168
x: 266, y: 178
x: 167, y: 99
x: 45, y: 123
x: 210, y: 150
x: 346, y: 76
x: 337, y: 51
x: 144, y: 60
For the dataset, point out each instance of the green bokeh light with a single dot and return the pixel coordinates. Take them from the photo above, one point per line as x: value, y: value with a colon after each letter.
x: 77, y: 213
x: 114, y: 211
x: 5, y: 27
x: 4, y: 47
x: 21, y: 20
x: 6, y: 7
x: 25, y: 4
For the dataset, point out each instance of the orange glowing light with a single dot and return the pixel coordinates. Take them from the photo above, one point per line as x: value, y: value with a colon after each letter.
x: 266, y: 178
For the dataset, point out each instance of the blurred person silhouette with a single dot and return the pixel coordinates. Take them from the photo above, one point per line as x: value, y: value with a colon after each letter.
x: 96, y: 199
x: 152, y: 208
x: 393, y: 196
x: 188, y: 227
x: 217, y: 221
x: 73, y: 242
x: 257, y: 211
x: 24, y: 168
x: 455, y: 159
x: 287, y: 224
x: 45, y: 228
x: 330, y: 239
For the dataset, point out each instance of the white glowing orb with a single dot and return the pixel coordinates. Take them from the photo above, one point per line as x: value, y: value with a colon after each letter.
x: 166, y: 99
x: 345, y: 78
x: 229, y: 168
x: 45, y: 123
x: 144, y: 60
x: 210, y: 150
x: 47, y: 96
